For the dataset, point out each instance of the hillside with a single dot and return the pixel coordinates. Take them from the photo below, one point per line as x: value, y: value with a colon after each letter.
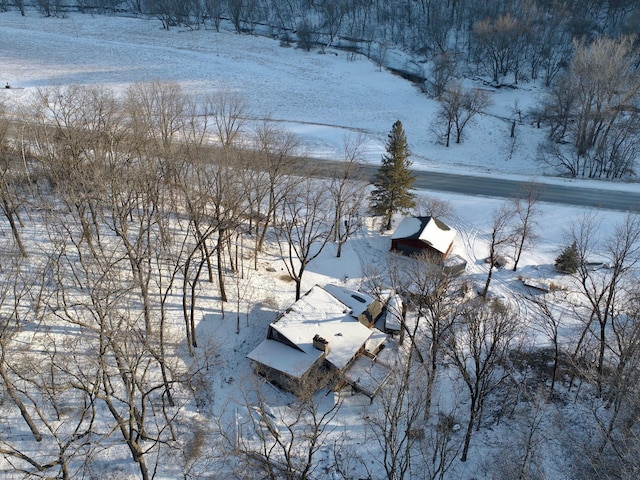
x: 322, y: 98
x: 95, y: 352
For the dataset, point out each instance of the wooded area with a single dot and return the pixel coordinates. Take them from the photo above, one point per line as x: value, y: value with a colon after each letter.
x: 129, y: 210
x: 119, y: 207
x: 135, y: 205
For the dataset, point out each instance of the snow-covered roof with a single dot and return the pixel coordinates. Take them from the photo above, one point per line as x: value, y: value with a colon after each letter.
x: 317, y: 312
x: 284, y: 358
x: 393, y: 317
x: 375, y: 341
x: 430, y: 230
x: 409, y: 227
x: 355, y: 300
x: 366, y: 375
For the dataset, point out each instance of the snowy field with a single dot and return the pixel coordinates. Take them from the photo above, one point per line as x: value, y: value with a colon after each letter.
x: 323, y: 98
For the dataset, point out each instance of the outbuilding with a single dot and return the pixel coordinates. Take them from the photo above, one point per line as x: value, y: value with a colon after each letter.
x: 416, y: 235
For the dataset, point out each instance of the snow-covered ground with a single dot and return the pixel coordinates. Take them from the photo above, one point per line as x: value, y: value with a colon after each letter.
x: 320, y: 97
x: 323, y: 98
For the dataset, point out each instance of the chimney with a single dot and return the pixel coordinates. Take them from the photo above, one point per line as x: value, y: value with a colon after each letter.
x: 321, y: 344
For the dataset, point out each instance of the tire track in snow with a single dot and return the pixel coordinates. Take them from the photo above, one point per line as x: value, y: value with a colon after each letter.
x: 469, y: 234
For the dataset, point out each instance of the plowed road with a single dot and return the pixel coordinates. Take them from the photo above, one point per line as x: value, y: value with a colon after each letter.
x: 504, y: 188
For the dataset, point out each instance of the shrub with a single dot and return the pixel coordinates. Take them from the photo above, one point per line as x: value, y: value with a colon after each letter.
x: 568, y: 261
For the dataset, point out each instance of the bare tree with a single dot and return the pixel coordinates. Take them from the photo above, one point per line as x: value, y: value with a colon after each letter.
x: 272, y: 171
x: 347, y: 193
x: 457, y: 108
x: 157, y: 113
x: 550, y: 44
x: 32, y: 381
x: 478, y: 348
x: 443, y: 71
x: 612, y: 449
x: 19, y: 4
x: 606, y: 85
x: 307, y: 35
x: 305, y: 226
x: 12, y: 176
x: 169, y: 12
x: 604, y: 290
x: 228, y: 111
x: 500, y: 237
x: 117, y: 365
x: 396, y: 417
x: 80, y: 133
x: 520, y: 457
x: 439, y: 449
x: 499, y: 44
x: 212, y: 197
x: 618, y: 423
x: 104, y: 269
x: 548, y: 318
x: 13, y: 296
x: 282, y: 442
x: 236, y: 11
x: 134, y: 217
x: 526, y: 213
x: 226, y: 206
x: 427, y: 206
x: 450, y: 104
x: 436, y: 298
x: 435, y: 28
x: 332, y: 13
x: 592, y: 106
x: 472, y: 104
x: 256, y: 184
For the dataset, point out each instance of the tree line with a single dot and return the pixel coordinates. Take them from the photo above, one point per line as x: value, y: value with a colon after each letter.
x: 584, y: 52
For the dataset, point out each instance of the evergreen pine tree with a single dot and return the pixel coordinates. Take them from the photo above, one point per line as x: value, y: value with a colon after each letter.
x: 567, y: 261
x: 393, y: 181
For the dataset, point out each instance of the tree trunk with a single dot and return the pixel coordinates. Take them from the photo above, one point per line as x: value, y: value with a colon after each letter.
x: 14, y: 228
x: 298, y: 288
x: 601, y: 353
x: 23, y: 410
x: 192, y: 313
x: 223, y: 292
x: 207, y: 255
x: 163, y: 366
x: 518, y: 254
x: 554, y: 369
x: 185, y: 306
x: 467, y: 436
x: 486, y: 285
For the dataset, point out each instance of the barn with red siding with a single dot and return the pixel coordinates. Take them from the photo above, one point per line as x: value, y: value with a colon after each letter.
x: 416, y: 235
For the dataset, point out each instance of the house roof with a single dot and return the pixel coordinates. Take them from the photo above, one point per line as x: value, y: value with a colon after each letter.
x: 317, y: 312
x: 357, y: 301
x: 393, y: 318
x: 284, y: 358
x: 375, y: 342
x: 429, y: 230
x: 367, y: 376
